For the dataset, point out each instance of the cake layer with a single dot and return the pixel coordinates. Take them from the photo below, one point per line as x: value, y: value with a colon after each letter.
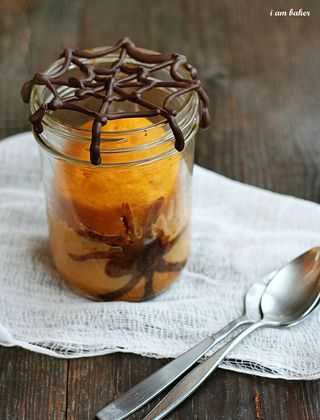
x: 93, y: 196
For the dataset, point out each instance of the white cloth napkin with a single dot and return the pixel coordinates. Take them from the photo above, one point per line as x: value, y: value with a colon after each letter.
x: 240, y: 233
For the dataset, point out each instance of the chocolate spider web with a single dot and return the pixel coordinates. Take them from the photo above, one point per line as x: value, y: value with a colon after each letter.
x: 103, y: 84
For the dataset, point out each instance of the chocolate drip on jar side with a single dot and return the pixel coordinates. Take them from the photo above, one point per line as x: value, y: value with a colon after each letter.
x: 103, y: 84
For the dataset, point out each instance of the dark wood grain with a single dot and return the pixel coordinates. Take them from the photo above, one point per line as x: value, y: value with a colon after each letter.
x: 32, y: 386
x: 262, y: 74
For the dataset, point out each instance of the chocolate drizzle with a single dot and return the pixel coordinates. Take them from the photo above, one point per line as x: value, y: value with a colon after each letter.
x: 111, y: 84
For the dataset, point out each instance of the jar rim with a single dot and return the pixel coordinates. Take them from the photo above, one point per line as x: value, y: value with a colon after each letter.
x: 186, y: 114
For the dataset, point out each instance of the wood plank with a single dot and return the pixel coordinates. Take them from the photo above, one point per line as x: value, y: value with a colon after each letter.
x: 14, y: 42
x: 32, y: 34
x: 261, y: 74
x: 32, y: 386
x: 95, y: 381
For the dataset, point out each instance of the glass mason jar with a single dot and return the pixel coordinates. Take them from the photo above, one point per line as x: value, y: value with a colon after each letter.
x: 120, y: 230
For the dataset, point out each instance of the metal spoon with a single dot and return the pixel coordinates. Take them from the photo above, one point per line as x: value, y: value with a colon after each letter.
x: 150, y: 387
x: 289, y: 297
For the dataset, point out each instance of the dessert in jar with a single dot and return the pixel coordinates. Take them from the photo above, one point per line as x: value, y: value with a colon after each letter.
x: 116, y: 126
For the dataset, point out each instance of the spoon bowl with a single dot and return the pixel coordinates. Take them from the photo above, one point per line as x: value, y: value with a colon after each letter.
x: 294, y: 291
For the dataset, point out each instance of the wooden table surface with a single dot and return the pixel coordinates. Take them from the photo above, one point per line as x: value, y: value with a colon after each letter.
x: 262, y: 74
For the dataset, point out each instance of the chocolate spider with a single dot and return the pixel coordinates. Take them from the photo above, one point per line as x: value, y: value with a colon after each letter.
x: 140, y: 254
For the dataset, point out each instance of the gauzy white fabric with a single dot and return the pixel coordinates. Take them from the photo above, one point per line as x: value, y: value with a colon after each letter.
x: 240, y: 233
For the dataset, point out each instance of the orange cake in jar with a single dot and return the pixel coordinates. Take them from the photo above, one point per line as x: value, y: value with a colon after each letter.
x: 116, y: 126
x: 119, y: 233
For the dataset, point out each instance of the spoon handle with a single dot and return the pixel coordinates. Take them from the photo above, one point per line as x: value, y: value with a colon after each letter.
x: 150, y: 387
x: 196, y: 377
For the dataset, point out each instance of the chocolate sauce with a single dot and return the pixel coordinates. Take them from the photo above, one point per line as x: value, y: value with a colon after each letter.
x: 131, y: 254
x: 109, y: 85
